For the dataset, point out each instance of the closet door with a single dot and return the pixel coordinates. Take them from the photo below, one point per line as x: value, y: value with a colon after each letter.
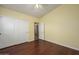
x: 1, y: 42
x: 7, y: 31
x: 13, y: 31
x: 21, y: 31
x: 41, y: 31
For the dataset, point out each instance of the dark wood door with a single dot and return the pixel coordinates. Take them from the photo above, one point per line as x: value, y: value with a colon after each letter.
x: 36, y: 31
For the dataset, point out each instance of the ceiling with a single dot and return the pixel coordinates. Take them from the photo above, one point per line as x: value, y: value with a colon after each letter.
x: 30, y: 10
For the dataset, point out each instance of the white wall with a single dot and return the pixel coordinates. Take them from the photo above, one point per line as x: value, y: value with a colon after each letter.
x: 15, y: 14
x: 62, y: 26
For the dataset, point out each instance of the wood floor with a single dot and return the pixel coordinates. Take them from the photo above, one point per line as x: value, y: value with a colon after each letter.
x: 40, y: 47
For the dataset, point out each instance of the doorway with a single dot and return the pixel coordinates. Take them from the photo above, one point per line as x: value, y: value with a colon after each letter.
x: 39, y: 31
x: 36, y: 30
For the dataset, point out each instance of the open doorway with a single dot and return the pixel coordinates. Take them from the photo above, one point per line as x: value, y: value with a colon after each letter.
x: 39, y: 31
x: 36, y: 30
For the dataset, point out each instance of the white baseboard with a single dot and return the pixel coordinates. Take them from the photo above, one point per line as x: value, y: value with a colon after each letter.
x: 65, y: 45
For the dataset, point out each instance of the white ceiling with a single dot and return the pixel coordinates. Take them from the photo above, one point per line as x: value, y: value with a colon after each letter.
x: 30, y: 10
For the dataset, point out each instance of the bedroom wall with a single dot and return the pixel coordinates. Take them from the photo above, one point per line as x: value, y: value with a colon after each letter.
x: 21, y: 16
x: 62, y: 26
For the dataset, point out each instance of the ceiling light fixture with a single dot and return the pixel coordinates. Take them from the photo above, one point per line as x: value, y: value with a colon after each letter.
x: 38, y: 6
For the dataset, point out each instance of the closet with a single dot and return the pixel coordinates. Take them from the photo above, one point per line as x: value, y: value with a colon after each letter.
x: 13, y: 31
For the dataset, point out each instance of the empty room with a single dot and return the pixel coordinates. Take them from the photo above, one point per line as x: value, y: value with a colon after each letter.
x: 39, y: 29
